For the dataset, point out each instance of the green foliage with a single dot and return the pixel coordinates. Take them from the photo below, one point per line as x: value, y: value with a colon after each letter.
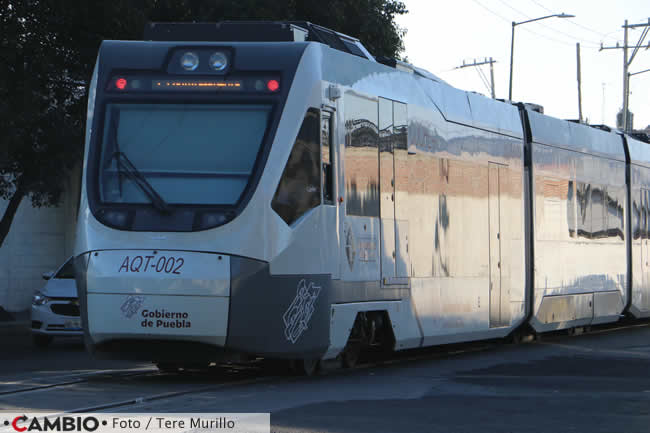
x: 48, y: 49
x: 40, y: 104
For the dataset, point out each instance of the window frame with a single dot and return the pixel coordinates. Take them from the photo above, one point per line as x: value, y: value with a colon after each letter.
x: 332, y: 156
x: 280, y: 206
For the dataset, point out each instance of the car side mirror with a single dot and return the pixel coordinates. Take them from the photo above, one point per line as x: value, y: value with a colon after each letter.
x: 48, y: 275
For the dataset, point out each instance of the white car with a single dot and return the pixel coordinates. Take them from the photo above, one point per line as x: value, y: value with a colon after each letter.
x: 55, y: 308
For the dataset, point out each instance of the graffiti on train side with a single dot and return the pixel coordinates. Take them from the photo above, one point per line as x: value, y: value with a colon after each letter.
x: 297, y: 317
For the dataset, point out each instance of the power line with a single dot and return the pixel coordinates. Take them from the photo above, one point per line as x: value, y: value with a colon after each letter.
x: 476, y: 64
x: 491, y: 11
x: 603, y: 35
x: 546, y: 26
x: 572, y: 37
x: 530, y: 31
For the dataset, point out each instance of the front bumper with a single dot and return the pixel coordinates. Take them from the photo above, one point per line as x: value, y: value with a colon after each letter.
x: 46, y: 322
x: 231, y: 305
x: 135, y: 301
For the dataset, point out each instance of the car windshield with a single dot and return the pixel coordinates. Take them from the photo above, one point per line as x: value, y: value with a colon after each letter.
x: 196, y: 154
x: 66, y: 271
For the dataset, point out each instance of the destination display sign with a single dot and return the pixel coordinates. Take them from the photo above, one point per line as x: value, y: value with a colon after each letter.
x: 139, y: 84
x: 196, y: 84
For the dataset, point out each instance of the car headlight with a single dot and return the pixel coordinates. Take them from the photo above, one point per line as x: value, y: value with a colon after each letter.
x: 40, y: 299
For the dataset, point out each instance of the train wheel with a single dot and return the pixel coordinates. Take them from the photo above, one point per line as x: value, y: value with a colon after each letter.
x: 351, y: 355
x: 308, y: 367
x: 517, y: 337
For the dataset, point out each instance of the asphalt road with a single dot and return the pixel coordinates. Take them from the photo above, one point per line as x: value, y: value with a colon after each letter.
x: 18, y: 356
x: 596, y: 382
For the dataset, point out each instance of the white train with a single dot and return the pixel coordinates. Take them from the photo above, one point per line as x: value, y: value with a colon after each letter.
x: 272, y: 189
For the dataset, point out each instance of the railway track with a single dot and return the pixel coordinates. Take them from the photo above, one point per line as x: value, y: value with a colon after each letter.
x: 114, y: 389
x: 71, y: 379
x: 134, y: 387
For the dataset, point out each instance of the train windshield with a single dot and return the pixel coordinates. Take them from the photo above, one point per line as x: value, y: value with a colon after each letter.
x: 194, y: 154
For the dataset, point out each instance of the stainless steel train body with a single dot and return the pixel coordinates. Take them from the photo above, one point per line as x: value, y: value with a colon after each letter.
x: 281, y: 215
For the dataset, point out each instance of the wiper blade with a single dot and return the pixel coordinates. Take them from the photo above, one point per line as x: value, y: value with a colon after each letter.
x: 125, y: 165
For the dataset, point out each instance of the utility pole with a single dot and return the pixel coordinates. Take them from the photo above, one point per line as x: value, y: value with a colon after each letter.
x: 579, y: 83
x: 626, y: 81
x: 627, y: 63
x: 492, y: 77
x: 631, y: 74
x: 480, y: 72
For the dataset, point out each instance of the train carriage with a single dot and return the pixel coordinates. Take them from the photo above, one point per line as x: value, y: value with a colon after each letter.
x: 272, y: 189
x: 580, y: 197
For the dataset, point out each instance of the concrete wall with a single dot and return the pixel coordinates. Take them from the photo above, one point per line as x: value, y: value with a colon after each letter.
x: 39, y: 240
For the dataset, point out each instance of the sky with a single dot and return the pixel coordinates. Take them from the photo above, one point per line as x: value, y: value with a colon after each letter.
x: 442, y: 34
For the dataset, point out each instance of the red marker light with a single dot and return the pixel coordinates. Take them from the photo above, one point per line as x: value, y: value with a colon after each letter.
x: 120, y: 83
x: 273, y: 85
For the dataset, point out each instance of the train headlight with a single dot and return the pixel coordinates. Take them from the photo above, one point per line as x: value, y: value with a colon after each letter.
x: 40, y: 299
x: 218, y: 61
x: 189, y: 61
x: 206, y: 220
x: 116, y: 217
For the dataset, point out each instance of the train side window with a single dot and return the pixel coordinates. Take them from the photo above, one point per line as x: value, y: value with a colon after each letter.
x: 327, y: 155
x: 361, y: 156
x: 299, y: 188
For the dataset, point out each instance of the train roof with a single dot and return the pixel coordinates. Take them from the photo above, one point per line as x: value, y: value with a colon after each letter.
x: 575, y: 136
x: 456, y: 105
x: 272, y: 31
x: 256, y: 31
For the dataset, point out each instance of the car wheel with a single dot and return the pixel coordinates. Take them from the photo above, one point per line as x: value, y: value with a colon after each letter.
x: 41, y: 340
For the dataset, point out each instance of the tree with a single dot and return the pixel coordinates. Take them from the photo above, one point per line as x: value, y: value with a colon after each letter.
x: 48, y: 49
x: 40, y: 114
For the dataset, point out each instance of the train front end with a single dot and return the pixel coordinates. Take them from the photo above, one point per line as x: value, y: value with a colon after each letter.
x: 176, y: 226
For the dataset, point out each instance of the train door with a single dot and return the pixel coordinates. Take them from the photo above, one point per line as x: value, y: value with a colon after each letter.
x: 499, y: 277
x: 401, y: 191
x: 360, y: 228
x: 386, y: 190
x: 393, y: 192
